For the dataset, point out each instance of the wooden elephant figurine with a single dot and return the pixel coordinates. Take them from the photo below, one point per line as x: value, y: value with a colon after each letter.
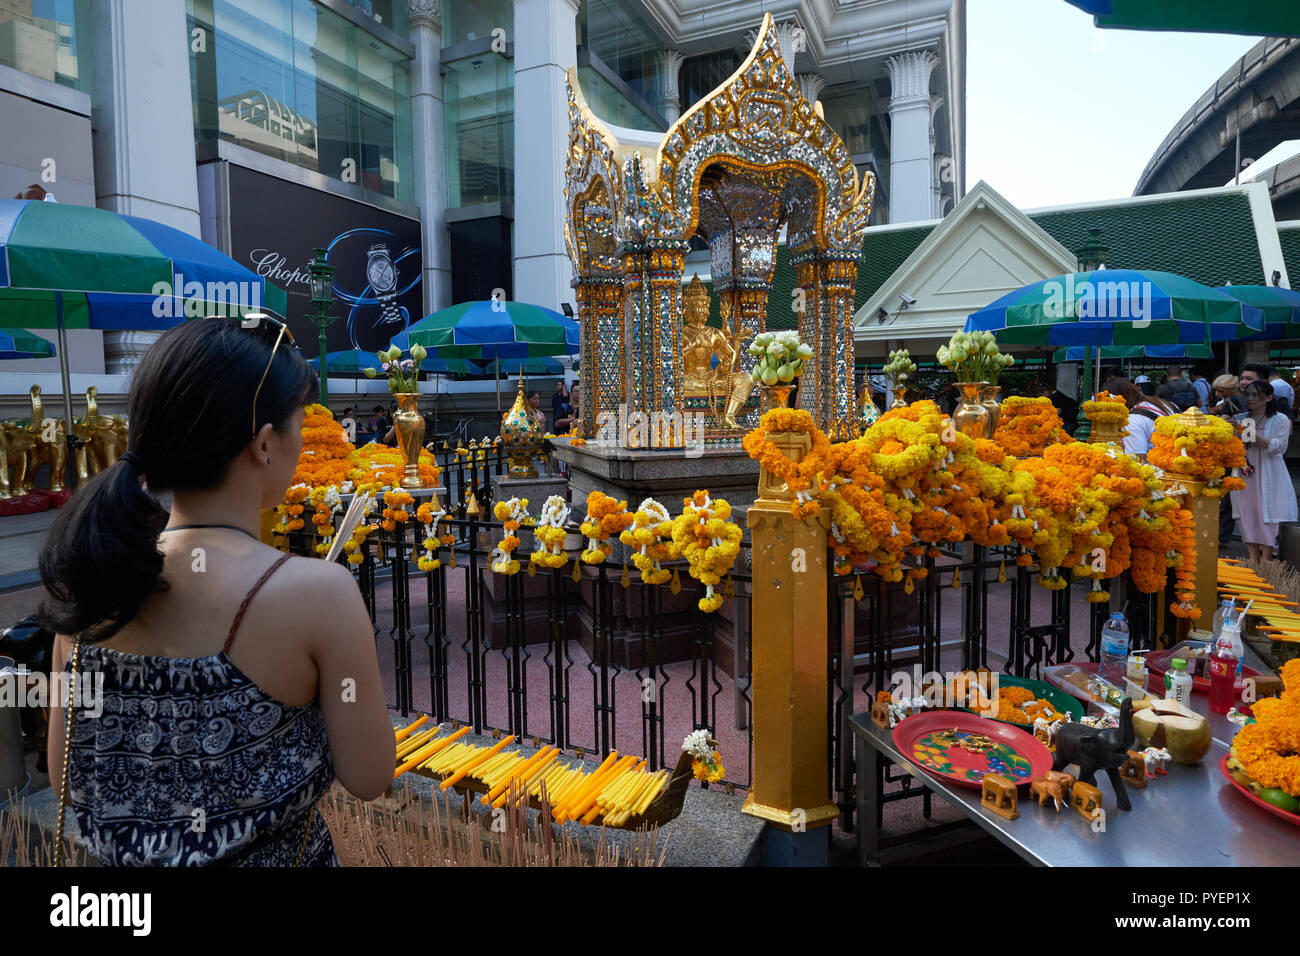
x: 15, y: 443
x: 54, y: 451
x: 1042, y: 788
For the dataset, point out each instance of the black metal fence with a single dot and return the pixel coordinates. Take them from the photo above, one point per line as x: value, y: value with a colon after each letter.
x: 592, y: 661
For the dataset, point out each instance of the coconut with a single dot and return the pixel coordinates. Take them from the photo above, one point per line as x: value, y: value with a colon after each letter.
x: 1176, y: 728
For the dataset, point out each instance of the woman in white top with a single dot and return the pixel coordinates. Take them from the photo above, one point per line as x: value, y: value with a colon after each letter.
x: 1269, y: 497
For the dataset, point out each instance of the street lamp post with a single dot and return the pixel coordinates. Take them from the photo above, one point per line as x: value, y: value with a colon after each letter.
x: 322, y: 298
x: 1091, y: 256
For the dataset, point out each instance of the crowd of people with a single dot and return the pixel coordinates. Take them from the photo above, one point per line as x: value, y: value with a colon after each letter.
x: 1259, y: 396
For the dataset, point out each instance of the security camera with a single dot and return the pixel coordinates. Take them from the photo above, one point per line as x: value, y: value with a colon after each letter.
x: 907, y: 299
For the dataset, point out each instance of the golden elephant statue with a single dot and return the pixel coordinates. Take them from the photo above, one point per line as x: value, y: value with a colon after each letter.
x: 49, y: 443
x: 102, y: 438
x: 15, y: 444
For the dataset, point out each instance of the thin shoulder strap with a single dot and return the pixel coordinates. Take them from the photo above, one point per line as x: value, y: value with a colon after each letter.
x: 248, y: 598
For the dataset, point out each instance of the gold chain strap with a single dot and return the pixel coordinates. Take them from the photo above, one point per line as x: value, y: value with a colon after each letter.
x: 67, y: 749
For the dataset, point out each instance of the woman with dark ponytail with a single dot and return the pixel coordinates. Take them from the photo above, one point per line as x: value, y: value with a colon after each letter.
x: 237, y: 682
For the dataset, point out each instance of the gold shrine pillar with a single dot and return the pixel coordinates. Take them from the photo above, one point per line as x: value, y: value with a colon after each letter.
x: 828, y: 278
x: 652, y: 336
x: 600, y: 327
x: 749, y: 311
x: 788, y: 654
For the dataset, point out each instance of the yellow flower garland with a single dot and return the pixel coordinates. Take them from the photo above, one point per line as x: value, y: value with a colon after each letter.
x: 709, y: 542
x: 605, y: 518
x: 650, y: 538
x: 549, y: 533
x: 799, y: 477
x: 512, y: 514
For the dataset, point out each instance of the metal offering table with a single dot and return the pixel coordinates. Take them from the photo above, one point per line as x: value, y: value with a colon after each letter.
x: 1192, y: 817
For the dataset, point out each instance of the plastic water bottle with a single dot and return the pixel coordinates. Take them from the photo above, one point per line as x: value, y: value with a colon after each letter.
x: 1227, y: 610
x: 1114, y: 649
x: 1223, y: 673
x: 1178, y: 683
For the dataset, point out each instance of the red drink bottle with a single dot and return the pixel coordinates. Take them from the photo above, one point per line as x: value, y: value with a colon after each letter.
x: 1223, y: 675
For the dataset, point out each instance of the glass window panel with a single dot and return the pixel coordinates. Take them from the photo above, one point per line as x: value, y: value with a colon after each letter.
x: 611, y: 105
x: 617, y: 34
x: 49, y: 39
x: 465, y: 20
x: 479, y: 109
x: 299, y: 82
x: 701, y: 75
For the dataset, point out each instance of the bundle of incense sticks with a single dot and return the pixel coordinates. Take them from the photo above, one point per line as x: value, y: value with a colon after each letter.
x: 355, y: 513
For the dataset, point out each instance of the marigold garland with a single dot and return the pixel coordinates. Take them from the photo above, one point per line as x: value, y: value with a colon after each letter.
x: 1028, y: 425
x: 512, y: 514
x: 1269, y: 748
x: 1106, y: 408
x: 650, y: 537
x: 1203, y: 452
x: 800, y: 477
x: 395, y: 513
x: 549, y: 533
x: 427, y: 516
x: 606, y: 517
x: 709, y: 542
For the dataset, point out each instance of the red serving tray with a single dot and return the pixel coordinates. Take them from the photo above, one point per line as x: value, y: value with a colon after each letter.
x: 1158, y: 663
x: 1016, y: 754
x: 1291, y: 818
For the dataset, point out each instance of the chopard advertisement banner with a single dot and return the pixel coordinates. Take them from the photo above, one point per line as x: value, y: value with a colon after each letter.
x: 275, y: 225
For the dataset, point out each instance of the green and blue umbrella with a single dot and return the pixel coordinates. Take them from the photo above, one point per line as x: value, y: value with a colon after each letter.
x: 483, y: 331
x: 85, y: 268
x: 78, y: 267
x: 17, y: 344
x: 1280, y: 308
x: 1078, y: 353
x: 1272, y: 18
x: 1116, y: 307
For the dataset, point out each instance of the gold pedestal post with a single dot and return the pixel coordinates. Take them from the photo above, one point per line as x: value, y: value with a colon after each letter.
x: 1205, y: 530
x: 789, y: 670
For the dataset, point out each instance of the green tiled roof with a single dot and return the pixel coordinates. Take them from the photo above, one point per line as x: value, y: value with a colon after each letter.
x: 1290, y: 239
x: 1207, y: 238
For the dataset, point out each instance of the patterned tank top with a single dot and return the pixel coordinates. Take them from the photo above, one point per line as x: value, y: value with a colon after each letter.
x: 192, y: 764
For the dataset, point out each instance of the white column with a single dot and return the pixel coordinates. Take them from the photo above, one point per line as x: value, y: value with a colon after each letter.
x: 911, y: 158
x: 810, y: 84
x: 144, y: 134
x: 936, y: 187
x: 429, y: 151
x: 670, y: 96
x: 545, y: 47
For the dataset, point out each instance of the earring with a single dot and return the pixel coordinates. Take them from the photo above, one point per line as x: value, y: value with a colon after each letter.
x: 268, y: 461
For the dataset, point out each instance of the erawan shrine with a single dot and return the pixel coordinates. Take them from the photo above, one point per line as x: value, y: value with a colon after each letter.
x: 837, y: 605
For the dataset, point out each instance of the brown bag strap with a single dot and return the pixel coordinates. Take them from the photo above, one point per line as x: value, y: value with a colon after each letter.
x: 248, y: 598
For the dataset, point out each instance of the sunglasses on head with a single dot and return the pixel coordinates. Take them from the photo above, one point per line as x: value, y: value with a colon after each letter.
x: 263, y: 323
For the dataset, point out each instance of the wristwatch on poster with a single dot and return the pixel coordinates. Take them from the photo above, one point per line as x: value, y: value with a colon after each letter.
x: 382, y: 275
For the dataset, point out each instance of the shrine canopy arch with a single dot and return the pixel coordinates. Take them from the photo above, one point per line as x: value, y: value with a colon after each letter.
x: 759, y: 125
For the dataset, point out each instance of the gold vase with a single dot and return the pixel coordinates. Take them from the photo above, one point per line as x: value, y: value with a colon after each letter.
x: 409, y: 424
x: 899, y: 391
x: 971, y: 417
x: 521, y: 435
x: 989, y: 399
x: 777, y: 396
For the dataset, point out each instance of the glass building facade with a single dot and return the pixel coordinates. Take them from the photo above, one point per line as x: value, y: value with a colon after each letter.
x: 296, y: 81
x: 479, y: 111
x: 50, y: 39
